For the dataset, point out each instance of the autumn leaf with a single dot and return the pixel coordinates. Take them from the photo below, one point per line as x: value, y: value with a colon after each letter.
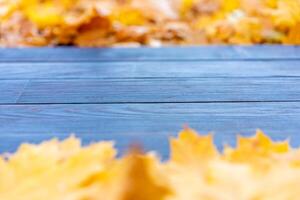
x: 59, y: 22
x: 192, y: 148
x: 65, y: 170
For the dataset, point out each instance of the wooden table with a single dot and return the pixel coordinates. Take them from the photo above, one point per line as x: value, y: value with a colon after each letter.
x: 147, y: 95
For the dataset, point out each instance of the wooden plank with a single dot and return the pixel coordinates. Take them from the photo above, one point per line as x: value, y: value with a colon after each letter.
x: 69, y: 54
x: 150, y: 124
x: 10, y: 90
x: 161, y: 90
x: 97, y: 70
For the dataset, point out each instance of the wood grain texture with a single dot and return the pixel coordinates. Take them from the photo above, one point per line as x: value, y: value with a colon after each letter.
x: 69, y: 54
x: 159, y: 90
x: 150, y: 69
x: 10, y: 90
x: 147, y: 95
x: 150, y: 124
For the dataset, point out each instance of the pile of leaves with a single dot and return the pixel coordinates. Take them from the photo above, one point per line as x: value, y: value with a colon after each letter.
x: 256, y: 169
x: 148, y: 22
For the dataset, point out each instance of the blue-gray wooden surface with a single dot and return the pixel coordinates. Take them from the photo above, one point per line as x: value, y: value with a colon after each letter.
x: 146, y: 95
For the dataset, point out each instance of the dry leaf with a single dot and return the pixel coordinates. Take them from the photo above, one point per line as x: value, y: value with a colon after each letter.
x: 197, y: 22
x: 65, y: 170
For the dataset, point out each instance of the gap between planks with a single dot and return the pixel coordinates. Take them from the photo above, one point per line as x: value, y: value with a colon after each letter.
x: 141, y: 103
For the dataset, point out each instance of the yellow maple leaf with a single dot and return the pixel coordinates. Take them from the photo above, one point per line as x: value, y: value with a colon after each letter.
x: 185, y: 6
x: 287, y: 13
x: 191, y: 148
x: 46, y: 14
x: 128, y: 16
x: 59, y: 170
x: 229, y: 6
x: 293, y: 36
x: 143, y: 180
x: 259, y: 149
